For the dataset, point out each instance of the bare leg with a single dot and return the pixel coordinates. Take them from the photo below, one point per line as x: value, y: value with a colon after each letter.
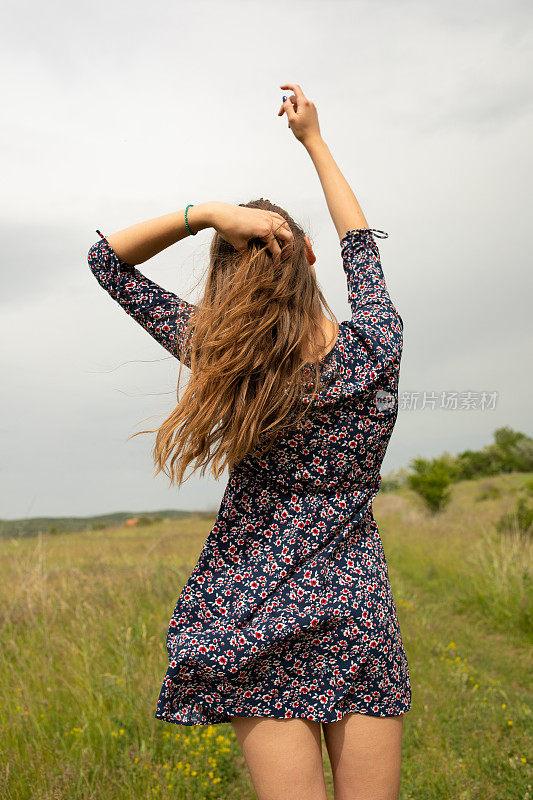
x: 284, y: 757
x: 365, y: 756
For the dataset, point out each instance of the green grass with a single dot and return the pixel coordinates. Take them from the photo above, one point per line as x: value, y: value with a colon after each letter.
x: 84, y: 616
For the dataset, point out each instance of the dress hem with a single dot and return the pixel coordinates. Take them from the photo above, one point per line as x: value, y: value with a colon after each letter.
x: 203, y: 715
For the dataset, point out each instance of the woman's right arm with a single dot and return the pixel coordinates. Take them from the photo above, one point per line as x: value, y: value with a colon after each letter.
x: 345, y: 211
x: 376, y: 324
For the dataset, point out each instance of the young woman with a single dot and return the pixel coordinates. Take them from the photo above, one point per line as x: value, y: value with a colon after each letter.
x: 287, y: 622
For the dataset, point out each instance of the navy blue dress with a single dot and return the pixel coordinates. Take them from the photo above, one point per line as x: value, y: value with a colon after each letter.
x: 289, y: 610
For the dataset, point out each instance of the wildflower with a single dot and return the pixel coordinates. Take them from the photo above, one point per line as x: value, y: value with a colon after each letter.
x: 504, y: 705
x: 510, y: 722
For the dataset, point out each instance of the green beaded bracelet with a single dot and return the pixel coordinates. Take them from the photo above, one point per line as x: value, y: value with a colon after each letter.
x: 186, y: 223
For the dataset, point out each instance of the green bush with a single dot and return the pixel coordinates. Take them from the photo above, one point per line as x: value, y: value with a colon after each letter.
x: 476, y: 464
x: 520, y: 519
x: 511, y: 451
x: 515, y: 450
x: 528, y: 486
x: 430, y: 480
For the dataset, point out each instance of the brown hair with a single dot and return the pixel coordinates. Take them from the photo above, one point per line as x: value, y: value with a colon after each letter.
x: 246, y: 342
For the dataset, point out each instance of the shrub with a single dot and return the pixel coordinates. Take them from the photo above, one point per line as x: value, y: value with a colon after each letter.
x: 430, y: 480
x: 514, y: 449
x: 528, y: 486
x: 521, y: 519
x: 476, y: 463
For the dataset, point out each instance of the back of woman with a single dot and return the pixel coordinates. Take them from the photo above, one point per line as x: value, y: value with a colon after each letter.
x: 288, y: 613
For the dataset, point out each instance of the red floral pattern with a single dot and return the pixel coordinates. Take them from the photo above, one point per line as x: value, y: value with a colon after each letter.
x: 289, y: 610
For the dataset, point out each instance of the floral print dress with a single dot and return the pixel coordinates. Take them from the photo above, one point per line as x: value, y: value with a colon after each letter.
x: 289, y: 610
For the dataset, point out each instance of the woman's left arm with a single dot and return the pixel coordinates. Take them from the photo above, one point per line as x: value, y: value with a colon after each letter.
x: 236, y: 224
x: 163, y: 314
x: 112, y: 260
x: 142, y: 241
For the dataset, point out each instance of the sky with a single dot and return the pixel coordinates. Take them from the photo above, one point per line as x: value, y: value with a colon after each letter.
x: 119, y: 112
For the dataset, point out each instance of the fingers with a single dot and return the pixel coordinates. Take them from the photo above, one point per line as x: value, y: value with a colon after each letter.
x: 273, y: 246
x: 282, y: 228
x: 288, y: 108
x: 282, y: 231
x: 300, y: 96
x: 291, y: 99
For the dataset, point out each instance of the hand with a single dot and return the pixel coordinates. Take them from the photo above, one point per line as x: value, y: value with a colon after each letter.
x: 238, y: 224
x: 301, y: 113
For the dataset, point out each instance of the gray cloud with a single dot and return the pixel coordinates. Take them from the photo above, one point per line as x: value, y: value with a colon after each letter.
x: 125, y: 112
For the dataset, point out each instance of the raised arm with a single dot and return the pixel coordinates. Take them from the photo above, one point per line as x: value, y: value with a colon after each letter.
x: 345, y: 211
x: 142, y: 241
x: 235, y: 224
x: 164, y: 315
x: 376, y: 325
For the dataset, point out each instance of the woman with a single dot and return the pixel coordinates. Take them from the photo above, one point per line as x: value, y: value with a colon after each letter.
x: 287, y: 621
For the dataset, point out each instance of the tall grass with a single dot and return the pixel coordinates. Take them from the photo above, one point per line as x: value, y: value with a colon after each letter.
x: 500, y: 584
x: 83, y: 623
x: 83, y: 627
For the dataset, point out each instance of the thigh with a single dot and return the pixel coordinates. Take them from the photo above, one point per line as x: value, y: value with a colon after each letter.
x: 284, y: 757
x: 365, y: 754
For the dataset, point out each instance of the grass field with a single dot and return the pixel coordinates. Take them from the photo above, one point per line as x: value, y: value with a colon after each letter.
x: 84, y: 617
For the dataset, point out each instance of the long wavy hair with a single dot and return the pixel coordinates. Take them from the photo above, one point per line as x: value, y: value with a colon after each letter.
x: 246, y: 343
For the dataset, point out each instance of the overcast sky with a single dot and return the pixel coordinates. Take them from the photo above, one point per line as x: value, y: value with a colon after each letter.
x: 118, y: 112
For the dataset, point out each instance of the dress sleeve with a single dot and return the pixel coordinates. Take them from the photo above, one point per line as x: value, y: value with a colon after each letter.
x: 163, y: 314
x: 376, y: 324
